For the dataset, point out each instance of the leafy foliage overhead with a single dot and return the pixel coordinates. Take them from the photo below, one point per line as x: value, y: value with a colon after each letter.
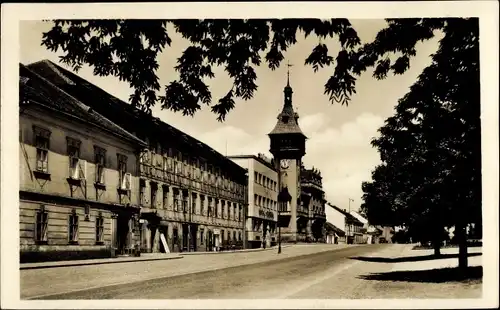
x: 129, y: 50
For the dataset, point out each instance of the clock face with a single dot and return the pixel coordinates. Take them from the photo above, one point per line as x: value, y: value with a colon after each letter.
x: 285, y: 163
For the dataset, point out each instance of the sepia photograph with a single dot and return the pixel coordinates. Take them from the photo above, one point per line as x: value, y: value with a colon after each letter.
x: 286, y: 161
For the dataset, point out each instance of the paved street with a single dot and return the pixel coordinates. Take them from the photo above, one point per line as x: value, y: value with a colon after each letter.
x: 322, y: 271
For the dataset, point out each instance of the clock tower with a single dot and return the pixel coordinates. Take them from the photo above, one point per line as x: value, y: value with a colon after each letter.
x: 288, y: 147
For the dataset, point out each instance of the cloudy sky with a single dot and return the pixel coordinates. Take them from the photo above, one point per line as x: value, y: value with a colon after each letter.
x: 339, y: 136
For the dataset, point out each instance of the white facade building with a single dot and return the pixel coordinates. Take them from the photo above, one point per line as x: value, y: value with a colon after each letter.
x: 262, y: 212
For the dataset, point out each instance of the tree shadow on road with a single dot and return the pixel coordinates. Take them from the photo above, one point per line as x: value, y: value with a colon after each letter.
x: 408, y: 258
x: 471, y: 274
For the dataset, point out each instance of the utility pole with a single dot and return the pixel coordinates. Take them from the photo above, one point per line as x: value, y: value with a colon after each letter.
x: 350, y: 224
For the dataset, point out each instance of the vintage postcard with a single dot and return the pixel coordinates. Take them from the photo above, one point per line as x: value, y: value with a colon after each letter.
x: 250, y: 155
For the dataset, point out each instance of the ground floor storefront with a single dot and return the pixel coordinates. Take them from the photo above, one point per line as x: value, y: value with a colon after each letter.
x: 164, y: 236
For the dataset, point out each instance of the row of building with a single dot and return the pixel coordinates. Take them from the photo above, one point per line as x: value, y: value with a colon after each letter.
x: 100, y: 178
x: 350, y: 227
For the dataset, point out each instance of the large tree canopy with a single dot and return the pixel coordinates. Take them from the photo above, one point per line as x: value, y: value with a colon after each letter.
x: 128, y: 50
x: 430, y: 177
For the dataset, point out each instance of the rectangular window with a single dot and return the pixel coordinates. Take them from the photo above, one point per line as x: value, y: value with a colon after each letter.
x: 193, y: 203
x: 234, y: 235
x: 154, y: 191
x: 42, y: 141
x: 73, y: 227
x: 202, y: 236
x: 202, y: 204
x: 240, y: 209
x: 229, y: 209
x: 210, y: 206
x: 41, y: 225
x: 223, y: 209
x: 185, y: 203
x: 100, y: 163
x: 142, y: 192
x: 73, y: 148
x: 176, y: 200
x: 122, y: 169
x: 99, y: 229
x: 165, y: 197
x: 216, y: 209
x: 235, y: 213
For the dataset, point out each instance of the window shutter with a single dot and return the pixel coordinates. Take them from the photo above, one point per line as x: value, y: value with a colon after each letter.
x: 82, y: 167
x: 127, y: 181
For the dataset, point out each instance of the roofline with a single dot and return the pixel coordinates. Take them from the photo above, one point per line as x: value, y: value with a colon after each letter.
x: 257, y: 158
x: 132, y: 139
x: 194, y: 140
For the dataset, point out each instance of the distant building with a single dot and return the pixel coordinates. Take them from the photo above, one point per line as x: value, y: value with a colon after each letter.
x: 313, y: 201
x: 191, y: 197
x: 352, y: 226
x: 333, y: 233
x: 262, y: 211
x: 78, y: 177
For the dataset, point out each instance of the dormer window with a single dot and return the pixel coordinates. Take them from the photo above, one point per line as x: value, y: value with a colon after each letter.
x: 285, y: 118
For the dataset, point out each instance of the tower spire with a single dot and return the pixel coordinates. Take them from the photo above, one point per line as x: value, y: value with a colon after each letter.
x: 288, y: 74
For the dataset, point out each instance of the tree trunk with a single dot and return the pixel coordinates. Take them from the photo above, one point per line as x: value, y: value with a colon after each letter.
x: 437, y: 247
x: 462, y: 247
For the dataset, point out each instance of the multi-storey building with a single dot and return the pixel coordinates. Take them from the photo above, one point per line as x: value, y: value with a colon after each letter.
x: 288, y: 147
x: 78, y: 177
x: 262, y: 215
x: 192, y: 198
x: 313, y: 201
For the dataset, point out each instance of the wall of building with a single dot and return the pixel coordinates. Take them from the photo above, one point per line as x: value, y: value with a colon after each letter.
x: 262, y: 210
x: 60, y: 198
x: 58, y: 160
x: 185, y: 190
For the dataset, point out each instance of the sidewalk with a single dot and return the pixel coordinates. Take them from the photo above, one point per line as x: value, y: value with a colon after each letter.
x: 236, y: 251
x: 129, y: 259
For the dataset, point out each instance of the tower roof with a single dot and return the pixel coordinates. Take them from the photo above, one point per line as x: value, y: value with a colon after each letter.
x: 288, y: 118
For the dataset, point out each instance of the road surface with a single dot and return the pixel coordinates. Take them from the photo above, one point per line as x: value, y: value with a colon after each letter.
x: 327, y: 274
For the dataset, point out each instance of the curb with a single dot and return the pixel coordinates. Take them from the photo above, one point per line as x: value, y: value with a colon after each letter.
x: 59, y: 265
x: 232, y: 252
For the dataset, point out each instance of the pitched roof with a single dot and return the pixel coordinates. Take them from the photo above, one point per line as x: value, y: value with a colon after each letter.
x: 34, y: 89
x: 287, y: 119
x: 359, y: 217
x: 348, y: 217
x: 125, y: 114
x: 338, y: 231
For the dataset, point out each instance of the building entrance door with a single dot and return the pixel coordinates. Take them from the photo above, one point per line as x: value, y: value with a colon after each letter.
x: 122, y: 231
x: 209, y: 241
x: 194, y: 233
x: 185, y: 237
